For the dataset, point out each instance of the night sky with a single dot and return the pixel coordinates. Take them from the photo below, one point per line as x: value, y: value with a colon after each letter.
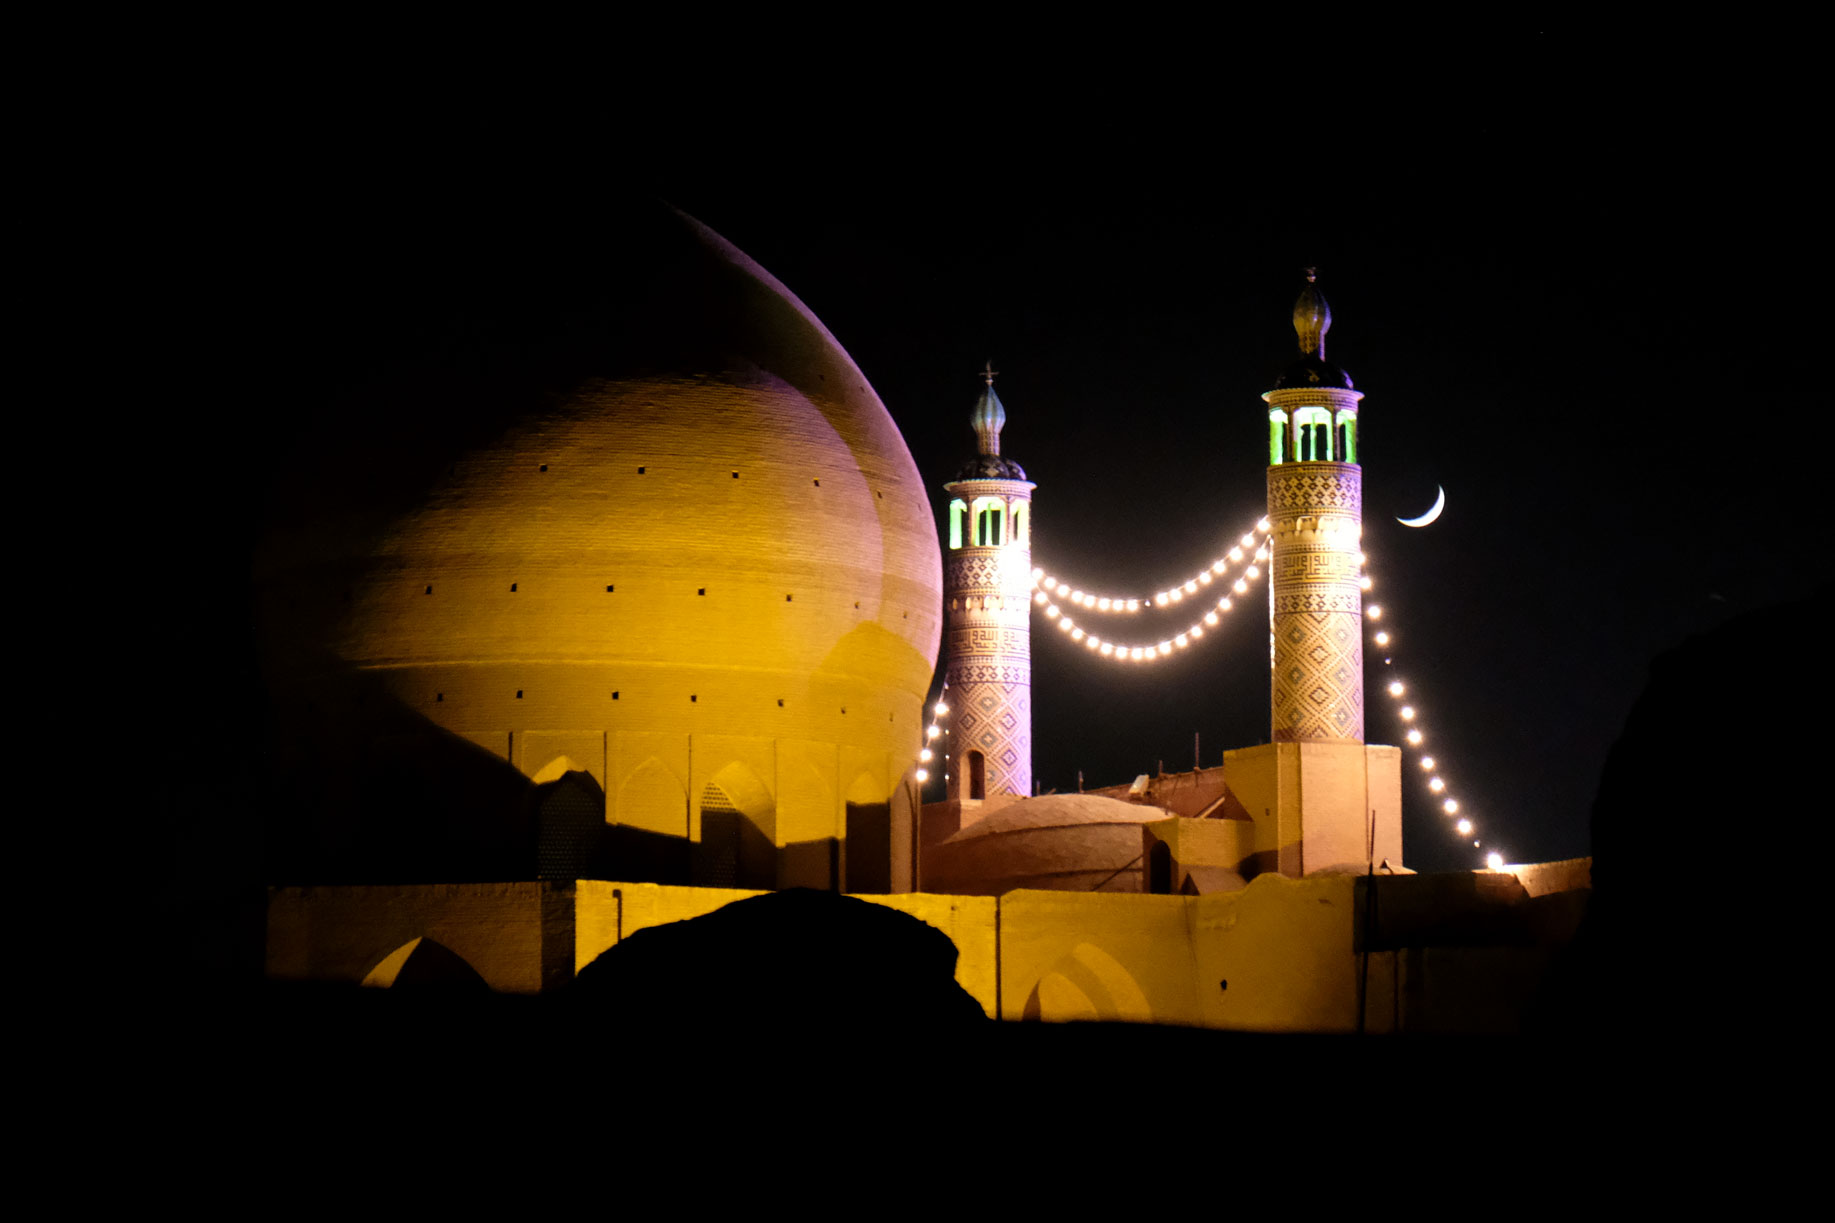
x: 1577, y: 296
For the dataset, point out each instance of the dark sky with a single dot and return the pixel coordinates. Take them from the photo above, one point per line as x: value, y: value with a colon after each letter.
x: 1573, y: 279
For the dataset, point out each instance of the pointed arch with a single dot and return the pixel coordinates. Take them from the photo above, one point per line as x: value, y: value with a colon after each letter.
x: 423, y: 962
x: 556, y: 769
x: 652, y: 799
x: 737, y: 846
x: 1088, y: 983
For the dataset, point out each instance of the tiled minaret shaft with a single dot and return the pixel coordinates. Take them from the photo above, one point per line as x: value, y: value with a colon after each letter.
x: 987, y: 591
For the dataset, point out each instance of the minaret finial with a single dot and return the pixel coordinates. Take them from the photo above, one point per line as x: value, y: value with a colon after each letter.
x: 1312, y: 318
x: 989, y: 417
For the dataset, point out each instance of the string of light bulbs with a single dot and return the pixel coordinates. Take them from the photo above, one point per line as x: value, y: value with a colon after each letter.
x: 926, y: 753
x: 1051, y: 585
x: 1382, y: 638
x: 1045, y: 585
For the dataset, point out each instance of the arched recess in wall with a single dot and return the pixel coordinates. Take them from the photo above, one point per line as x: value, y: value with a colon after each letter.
x: 648, y: 842
x: 569, y: 820
x: 421, y: 962
x: 869, y: 835
x: 738, y: 845
x: 1087, y: 984
x: 653, y: 800
x: 808, y: 824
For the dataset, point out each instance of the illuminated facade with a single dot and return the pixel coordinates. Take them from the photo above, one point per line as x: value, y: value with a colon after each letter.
x: 1315, y: 513
x: 988, y: 589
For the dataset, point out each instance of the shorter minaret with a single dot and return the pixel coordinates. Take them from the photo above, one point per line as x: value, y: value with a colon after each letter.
x: 987, y: 589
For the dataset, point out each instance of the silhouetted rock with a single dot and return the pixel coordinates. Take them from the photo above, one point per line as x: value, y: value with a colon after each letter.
x: 794, y: 958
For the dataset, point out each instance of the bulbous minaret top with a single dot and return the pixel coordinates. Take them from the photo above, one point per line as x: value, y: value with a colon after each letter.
x: 1312, y: 317
x: 989, y: 417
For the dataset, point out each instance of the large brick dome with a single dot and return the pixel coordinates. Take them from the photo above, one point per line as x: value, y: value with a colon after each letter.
x: 689, y: 555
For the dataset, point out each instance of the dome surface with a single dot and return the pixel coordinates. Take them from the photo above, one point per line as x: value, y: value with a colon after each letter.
x: 1065, y: 842
x: 681, y: 535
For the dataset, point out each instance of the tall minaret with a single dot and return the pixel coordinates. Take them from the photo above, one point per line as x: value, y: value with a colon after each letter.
x: 987, y: 585
x: 1315, y: 512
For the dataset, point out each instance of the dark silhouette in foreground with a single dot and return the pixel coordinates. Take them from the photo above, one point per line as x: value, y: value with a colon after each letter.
x: 798, y: 958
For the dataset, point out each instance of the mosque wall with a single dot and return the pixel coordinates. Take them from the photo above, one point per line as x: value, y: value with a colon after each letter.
x: 1454, y: 953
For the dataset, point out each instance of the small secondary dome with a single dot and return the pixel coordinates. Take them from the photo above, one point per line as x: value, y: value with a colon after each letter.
x: 1063, y: 842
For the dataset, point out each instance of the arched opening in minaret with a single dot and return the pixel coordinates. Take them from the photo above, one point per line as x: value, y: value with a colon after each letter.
x: 1022, y: 524
x: 1347, y: 436
x: 988, y: 523
x: 1277, y: 437
x: 977, y: 776
x: 1312, y: 434
x: 958, y: 510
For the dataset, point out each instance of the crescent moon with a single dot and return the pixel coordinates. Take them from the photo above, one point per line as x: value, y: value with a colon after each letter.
x: 1427, y: 518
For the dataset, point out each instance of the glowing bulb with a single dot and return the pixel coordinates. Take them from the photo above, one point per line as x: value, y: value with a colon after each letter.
x: 1040, y: 598
x: 1065, y: 624
x: 1210, y: 618
x: 1037, y: 574
x: 1494, y: 860
x: 1262, y: 525
x: 1220, y: 566
x: 1241, y: 587
x: 923, y: 775
x: 1451, y: 805
x: 1375, y: 613
x: 1223, y: 604
x: 1191, y: 588
x: 1205, y: 578
x: 931, y: 732
x: 1076, y: 634
x: 1248, y: 541
x: 1182, y: 640
x: 1407, y: 713
x: 1196, y: 630
x: 1427, y: 763
x: 1160, y: 598
x: 1134, y: 604
x: 1165, y: 647
x: 1175, y: 594
x: 1102, y: 604
x: 1106, y: 648
x: 1395, y: 689
x: 1436, y: 785
x: 1465, y: 828
x: 942, y: 709
x: 1366, y: 582
x: 1382, y: 638
x: 1414, y: 738
x: 1235, y: 554
x: 1362, y: 559
x: 925, y: 754
x: 1092, y: 642
x: 1051, y: 611
x: 1253, y: 571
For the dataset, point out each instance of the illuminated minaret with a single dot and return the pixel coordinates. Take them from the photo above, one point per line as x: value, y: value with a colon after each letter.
x: 1315, y: 512
x: 987, y: 586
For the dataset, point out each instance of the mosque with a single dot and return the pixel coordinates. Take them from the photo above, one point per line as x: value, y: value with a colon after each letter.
x: 653, y: 628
